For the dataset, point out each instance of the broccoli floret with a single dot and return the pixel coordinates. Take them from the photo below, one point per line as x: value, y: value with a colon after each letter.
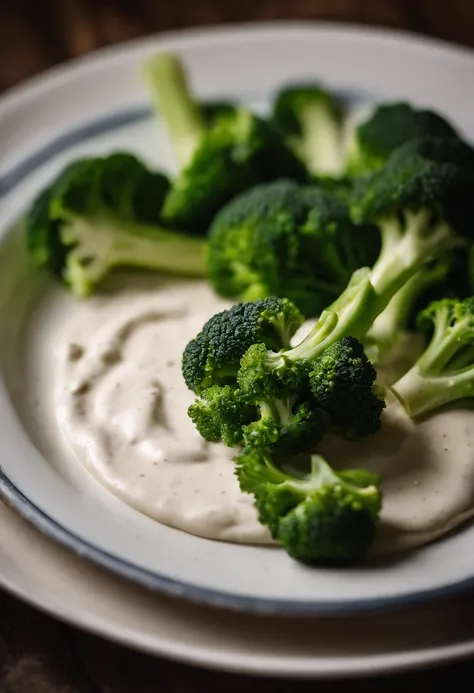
x: 231, y: 406
x: 240, y: 151
x: 294, y: 394
x: 444, y: 373
x: 422, y: 203
x: 104, y: 213
x: 169, y: 89
x: 226, y: 150
x: 342, y: 381
x: 221, y: 413
x: 324, y: 518
x: 388, y: 128
x: 283, y: 239
x: 213, y: 357
x: 311, y: 119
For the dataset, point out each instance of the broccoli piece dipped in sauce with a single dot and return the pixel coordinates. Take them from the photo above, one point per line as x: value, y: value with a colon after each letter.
x: 103, y: 213
x: 283, y: 239
x: 222, y: 150
x: 311, y: 119
x: 248, y: 377
x: 389, y: 127
x: 323, y: 518
x: 444, y: 373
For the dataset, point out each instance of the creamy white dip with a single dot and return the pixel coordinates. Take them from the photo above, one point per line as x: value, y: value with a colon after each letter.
x: 121, y: 405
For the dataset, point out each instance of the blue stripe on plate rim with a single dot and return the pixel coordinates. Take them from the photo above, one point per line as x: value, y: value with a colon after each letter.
x: 14, y: 497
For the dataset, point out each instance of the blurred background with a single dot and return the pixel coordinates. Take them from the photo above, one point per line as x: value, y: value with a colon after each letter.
x: 35, y: 34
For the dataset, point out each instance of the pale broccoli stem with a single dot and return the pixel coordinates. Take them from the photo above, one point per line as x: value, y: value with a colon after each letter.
x: 395, y: 316
x: 100, y: 245
x: 321, y: 144
x: 169, y: 89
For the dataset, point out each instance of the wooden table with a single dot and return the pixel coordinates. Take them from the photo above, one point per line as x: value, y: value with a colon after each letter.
x: 37, y: 654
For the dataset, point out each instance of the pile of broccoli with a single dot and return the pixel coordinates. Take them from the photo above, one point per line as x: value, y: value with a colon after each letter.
x: 274, y: 399
x: 367, y: 229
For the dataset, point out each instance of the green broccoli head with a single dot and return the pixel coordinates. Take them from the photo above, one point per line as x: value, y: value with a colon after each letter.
x: 444, y: 373
x: 325, y: 518
x: 282, y: 239
x: 103, y: 213
x: 422, y: 203
x: 343, y: 383
x: 213, y: 357
x: 389, y: 127
x: 427, y: 174
x: 221, y: 413
x: 311, y: 119
x: 240, y: 151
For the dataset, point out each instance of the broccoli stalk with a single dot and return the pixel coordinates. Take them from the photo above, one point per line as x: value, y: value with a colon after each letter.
x: 395, y: 318
x: 104, y: 213
x: 100, y: 244
x: 169, y: 89
x: 444, y: 372
x: 312, y: 121
x: 326, y: 517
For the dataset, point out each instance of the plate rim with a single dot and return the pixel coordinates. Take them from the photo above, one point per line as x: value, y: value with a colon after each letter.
x: 27, y: 508
x: 369, y: 665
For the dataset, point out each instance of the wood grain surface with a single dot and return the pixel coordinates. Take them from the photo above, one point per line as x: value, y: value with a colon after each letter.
x: 37, y: 654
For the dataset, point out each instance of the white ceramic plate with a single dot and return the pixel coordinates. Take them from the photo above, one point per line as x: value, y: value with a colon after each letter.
x: 99, y: 104
x: 47, y: 576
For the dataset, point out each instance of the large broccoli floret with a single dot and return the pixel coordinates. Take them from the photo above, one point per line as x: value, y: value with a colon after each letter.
x: 444, y: 373
x: 283, y: 239
x: 281, y: 397
x: 311, y: 119
x: 324, y: 518
x: 226, y: 150
x: 390, y: 126
x: 103, y: 213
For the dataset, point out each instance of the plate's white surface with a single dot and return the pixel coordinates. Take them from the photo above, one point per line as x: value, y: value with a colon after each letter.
x: 52, y: 120
x: 47, y: 576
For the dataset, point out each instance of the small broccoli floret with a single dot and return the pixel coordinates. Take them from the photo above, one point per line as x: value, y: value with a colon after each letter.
x: 282, y: 239
x: 311, y: 119
x: 444, y: 373
x: 342, y: 381
x: 168, y: 84
x: 325, y: 518
x: 213, y: 357
x: 221, y: 414
x: 104, y: 213
x: 388, y: 128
